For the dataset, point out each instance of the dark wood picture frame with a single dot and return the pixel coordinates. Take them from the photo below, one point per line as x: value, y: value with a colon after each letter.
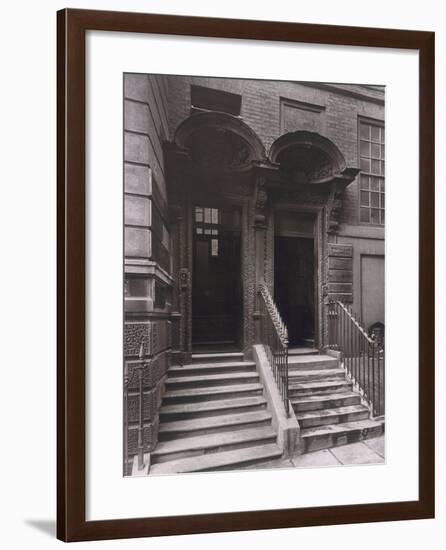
x: 72, y: 25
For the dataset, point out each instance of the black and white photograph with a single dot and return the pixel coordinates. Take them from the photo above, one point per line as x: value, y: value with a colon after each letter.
x: 220, y: 275
x: 254, y: 322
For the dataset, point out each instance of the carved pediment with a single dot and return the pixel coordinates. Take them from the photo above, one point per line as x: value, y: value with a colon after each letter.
x: 302, y: 164
x: 307, y: 158
x: 219, y: 150
x: 219, y: 143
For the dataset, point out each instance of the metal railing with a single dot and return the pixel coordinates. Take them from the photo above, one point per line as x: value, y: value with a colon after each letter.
x: 363, y: 356
x: 137, y: 369
x: 274, y: 337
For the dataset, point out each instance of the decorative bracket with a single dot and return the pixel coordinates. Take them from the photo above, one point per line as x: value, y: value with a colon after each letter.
x: 184, y: 278
x: 261, y: 200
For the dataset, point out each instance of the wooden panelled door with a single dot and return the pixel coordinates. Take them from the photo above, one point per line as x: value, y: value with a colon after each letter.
x: 294, y: 286
x: 216, y: 290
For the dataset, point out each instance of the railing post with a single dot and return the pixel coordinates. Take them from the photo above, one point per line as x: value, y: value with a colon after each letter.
x: 126, y: 422
x: 330, y: 325
x: 384, y: 380
x: 287, y: 402
x: 141, y: 368
x: 360, y: 354
x: 274, y: 336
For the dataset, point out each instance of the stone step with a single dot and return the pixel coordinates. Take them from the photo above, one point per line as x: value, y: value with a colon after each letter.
x: 298, y: 376
x: 196, y: 381
x: 323, y: 387
x: 338, y: 415
x: 184, y: 411
x: 335, y: 435
x: 318, y: 402
x: 195, y: 395
x: 213, y: 424
x: 302, y: 351
x: 212, y: 443
x: 219, y: 461
x: 308, y: 342
x: 312, y: 362
x: 216, y: 357
x: 212, y: 368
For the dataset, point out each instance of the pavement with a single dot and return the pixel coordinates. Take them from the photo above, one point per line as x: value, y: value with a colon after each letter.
x: 369, y: 451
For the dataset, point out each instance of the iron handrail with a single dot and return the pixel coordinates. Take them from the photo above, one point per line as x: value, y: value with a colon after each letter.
x: 363, y: 357
x: 139, y: 367
x: 274, y: 337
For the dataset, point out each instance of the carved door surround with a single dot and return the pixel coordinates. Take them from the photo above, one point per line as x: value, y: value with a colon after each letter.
x: 216, y: 157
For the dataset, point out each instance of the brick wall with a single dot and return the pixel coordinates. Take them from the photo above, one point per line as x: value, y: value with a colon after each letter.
x: 273, y: 108
x: 262, y: 110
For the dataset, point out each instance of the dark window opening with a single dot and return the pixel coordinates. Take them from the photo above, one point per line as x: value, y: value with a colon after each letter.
x: 209, y: 99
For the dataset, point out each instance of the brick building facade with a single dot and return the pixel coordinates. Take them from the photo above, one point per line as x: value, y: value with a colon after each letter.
x: 244, y: 174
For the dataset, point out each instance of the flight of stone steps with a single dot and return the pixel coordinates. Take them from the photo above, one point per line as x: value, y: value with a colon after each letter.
x: 213, y: 416
x: 329, y: 412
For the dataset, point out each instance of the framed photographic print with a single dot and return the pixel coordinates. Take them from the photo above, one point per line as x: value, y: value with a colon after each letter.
x: 245, y: 275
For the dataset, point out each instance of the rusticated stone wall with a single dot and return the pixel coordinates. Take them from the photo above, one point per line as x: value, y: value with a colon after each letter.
x: 155, y: 337
x: 147, y: 250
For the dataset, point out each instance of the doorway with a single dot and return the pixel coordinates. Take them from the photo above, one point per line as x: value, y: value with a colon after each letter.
x: 294, y: 287
x: 216, y: 289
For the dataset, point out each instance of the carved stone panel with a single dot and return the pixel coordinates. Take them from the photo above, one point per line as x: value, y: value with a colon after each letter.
x: 340, y: 274
x: 248, y: 274
x: 297, y: 115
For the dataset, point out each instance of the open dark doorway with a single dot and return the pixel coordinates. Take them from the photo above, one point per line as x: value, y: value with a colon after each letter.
x: 294, y: 285
x: 216, y: 292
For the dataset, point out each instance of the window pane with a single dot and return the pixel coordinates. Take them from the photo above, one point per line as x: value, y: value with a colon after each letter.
x: 214, y: 231
x: 365, y: 131
x: 374, y: 215
x: 365, y: 148
x: 214, y: 215
x: 365, y: 198
x: 374, y: 183
x: 371, y: 187
x: 376, y: 167
x: 374, y: 197
x: 207, y: 215
x: 207, y: 231
x: 199, y: 231
x: 376, y: 149
x: 198, y: 214
x: 364, y: 181
x: 365, y: 164
x: 214, y: 247
x: 364, y: 215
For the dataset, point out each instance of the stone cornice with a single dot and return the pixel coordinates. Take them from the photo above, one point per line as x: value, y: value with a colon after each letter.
x: 338, y: 89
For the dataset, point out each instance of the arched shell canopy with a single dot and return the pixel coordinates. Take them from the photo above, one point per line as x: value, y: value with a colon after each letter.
x: 307, y: 157
x: 219, y: 142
